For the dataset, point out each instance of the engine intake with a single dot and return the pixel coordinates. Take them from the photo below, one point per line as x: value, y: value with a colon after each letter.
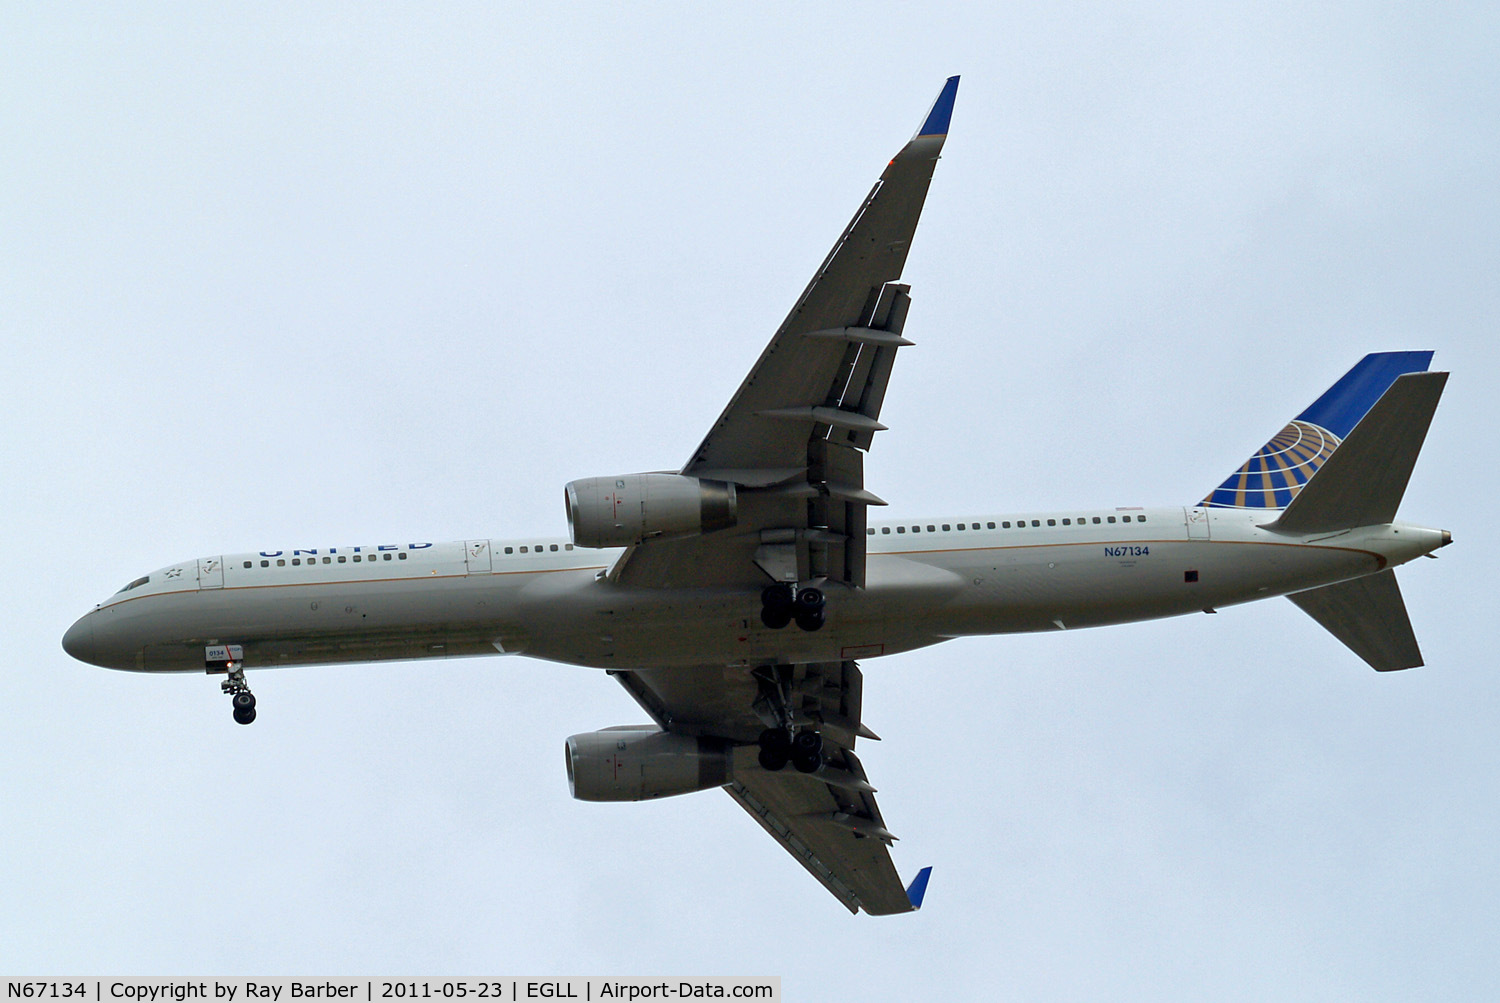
x: 620, y: 511
x: 637, y: 763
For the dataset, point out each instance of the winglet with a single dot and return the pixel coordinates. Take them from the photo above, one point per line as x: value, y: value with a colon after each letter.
x: 936, y: 123
x: 918, y: 887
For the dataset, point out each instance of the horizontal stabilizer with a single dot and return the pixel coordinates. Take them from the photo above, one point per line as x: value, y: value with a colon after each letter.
x: 1362, y: 482
x: 1368, y: 615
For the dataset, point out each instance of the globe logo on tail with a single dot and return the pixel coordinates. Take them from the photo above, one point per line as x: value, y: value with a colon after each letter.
x: 1272, y: 477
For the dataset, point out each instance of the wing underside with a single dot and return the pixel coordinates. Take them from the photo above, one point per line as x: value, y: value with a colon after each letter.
x: 793, y: 437
x: 828, y: 820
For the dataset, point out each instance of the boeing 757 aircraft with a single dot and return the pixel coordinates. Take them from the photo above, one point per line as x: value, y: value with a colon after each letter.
x: 735, y: 598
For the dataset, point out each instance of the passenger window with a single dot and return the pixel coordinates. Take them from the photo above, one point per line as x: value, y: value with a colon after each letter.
x: 342, y: 559
x: 1005, y: 525
x: 1052, y: 522
x: 402, y: 555
x: 932, y: 529
x: 296, y: 561
x: 945, y: 528
x: 961, y: 527
x: 1036, y: 522
x: 387, y: 557
x: 356, y: 558
x: 281, y: 562
x: 523, y: 550
x: 1140, y: 518
x: 1067, y: 522
x: 1096, y: 520
x: 901, y: 529
x: 247, y: 564
x: 916, y: 529
x: 885, y: 529
x: 567, y: 546
x: 991, y: 525
x: 510, y: 550
x: 265, y: 564
x: 1111, y: 518
x: 552, y: 547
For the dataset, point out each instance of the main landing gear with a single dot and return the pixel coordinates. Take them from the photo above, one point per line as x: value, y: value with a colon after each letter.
x: 779, y: 746
x: 785, y: 742
x: 781, y: 604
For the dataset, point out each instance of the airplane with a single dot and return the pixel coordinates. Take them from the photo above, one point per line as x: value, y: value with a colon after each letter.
x: 735, y: 597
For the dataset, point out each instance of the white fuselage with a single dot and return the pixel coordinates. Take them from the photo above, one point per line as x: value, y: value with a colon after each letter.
x: 927, y: 581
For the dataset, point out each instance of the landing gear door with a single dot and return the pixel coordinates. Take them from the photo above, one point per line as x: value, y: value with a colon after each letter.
x: 210, y: 572
x: 1197, y: 523
x: 477, y: 556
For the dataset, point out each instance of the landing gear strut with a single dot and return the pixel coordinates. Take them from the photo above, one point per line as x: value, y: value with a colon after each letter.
x: 781, y: 604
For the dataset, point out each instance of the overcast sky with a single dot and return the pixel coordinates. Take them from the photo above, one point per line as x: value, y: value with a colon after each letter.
x: 298, y: 275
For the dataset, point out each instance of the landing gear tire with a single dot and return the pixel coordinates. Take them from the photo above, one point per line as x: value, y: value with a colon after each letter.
x: 810, y: 599
x: 777, y: 606
x: 811, y: 621
x: 808, y: 609
x: 807, y: 751
x: 244, y: 706
x: 778, y: 597
x: 775, y: 749
x: 775, y: 618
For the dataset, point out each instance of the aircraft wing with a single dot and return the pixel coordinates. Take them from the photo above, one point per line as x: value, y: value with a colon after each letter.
x: 793, y: 437
x: 827, y: 820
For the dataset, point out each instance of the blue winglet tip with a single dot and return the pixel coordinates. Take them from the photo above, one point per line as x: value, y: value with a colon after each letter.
x: 918, y: 887
x: 938, y: 118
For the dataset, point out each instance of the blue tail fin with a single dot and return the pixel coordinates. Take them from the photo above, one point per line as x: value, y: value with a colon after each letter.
x: 1272, y: 477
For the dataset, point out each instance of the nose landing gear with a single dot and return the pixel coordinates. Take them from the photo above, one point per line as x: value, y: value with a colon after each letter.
x: 244, y: 703
x: 228, y: 659
x: 781, y: 604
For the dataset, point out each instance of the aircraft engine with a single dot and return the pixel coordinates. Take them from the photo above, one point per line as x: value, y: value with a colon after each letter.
x: 640, y: 762
x: 620, y: 511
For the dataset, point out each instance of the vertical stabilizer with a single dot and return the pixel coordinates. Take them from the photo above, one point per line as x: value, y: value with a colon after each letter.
x: 1276, y: 473
x: 1362, y: 483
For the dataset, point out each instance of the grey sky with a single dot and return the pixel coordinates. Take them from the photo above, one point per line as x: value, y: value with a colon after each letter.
x: 284, y: 276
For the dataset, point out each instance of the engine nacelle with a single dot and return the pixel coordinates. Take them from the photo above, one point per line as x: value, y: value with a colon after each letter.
x: 637, y: 763
x: 620, y: 511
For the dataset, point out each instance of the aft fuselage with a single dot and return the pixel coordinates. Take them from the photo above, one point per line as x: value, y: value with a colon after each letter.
x: 927, y: 581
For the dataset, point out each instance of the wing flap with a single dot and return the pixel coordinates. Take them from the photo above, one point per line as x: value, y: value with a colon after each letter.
x: 836, y: 833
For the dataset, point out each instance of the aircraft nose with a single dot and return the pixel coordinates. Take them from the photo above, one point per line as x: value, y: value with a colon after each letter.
x: 79, y: 641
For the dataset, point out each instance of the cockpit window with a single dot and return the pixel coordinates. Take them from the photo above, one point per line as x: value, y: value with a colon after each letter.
x: 135, y: 584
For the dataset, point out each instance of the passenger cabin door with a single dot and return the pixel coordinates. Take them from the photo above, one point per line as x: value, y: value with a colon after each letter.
x: 477, y: 556
x: 1197, y: 523
x: 210, y: 572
